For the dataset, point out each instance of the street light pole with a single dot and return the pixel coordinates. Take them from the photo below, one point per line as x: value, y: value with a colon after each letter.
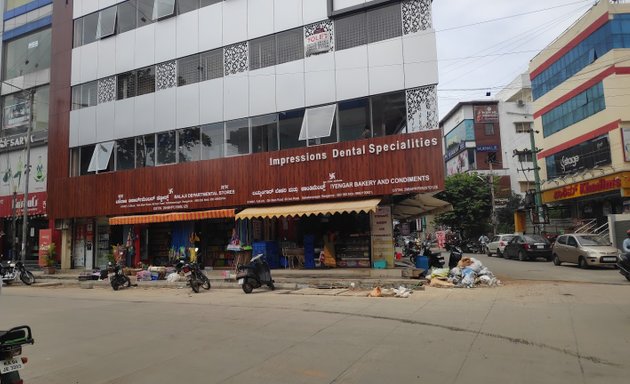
x: 27, y: 171
x: 537, y: 197
x: 493, y: 216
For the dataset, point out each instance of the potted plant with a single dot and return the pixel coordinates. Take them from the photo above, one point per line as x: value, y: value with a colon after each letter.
x: 51, y: 252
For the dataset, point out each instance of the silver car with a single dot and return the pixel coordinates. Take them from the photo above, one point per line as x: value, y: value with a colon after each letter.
x: 584, y: 249
x: 497, y: 244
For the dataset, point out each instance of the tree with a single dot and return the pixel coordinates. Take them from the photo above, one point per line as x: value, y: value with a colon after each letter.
x: 470, y: 196
x: 505, y: 216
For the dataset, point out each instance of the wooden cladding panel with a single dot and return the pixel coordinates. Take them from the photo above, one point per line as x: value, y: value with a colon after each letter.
x: 356, y: 176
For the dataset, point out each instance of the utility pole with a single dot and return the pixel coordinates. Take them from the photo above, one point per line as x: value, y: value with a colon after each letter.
x: 493, y: 215
x: 537, y: 196
x: 27, y: 172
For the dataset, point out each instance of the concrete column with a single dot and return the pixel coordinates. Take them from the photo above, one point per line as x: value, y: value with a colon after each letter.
x: 66, y: 254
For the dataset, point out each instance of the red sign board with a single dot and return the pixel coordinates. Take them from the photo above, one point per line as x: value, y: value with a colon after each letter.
x: 486, y: 113
x: 36, y: 204
x: 45, y: 239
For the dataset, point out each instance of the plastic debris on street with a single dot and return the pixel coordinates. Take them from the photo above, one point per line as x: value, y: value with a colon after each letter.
x: 468, y: 273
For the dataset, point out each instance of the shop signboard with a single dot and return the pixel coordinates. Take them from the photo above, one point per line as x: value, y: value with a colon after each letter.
x: 486, y: 113
x: 487, y: 148
x: 36, y: 204
x: 45, y: 239
x: 319, y: 42
x: 17, y: 115
x: 382, y: 236
x: 625, y: 135
x: 458, y: 164
x: 619, y: 181
x: 586, y: 155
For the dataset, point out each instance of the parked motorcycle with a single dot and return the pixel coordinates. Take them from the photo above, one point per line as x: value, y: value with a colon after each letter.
x: 255, y: 274
x: 455, y: 256
x: 199, y: 275
x: 623, y: 263
x: 11, y: 363
x: 11, y: 270
x: 116, y: 276
x: 192, y: 277
x: 435, y: 258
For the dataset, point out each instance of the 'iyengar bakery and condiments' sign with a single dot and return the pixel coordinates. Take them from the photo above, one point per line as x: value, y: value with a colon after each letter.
x: 602, y: 184
x: 397, y: 164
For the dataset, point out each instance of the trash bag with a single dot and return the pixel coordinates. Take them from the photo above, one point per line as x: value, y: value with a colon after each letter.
x: 475, y: 265
x: 469, y: 276
x: 402, y: 292
x: 172, y: 278
x: 440, y: 272
x: 376, y: 292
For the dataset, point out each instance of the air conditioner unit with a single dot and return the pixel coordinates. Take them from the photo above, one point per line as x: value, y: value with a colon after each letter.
x: 520, y: 103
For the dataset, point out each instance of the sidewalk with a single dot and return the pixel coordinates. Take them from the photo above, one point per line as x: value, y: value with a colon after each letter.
x: 290, y: 279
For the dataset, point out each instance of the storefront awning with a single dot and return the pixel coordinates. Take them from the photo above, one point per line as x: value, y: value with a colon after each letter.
x: 172, y: 216
x: 420, y: 205
x: 352, y: 206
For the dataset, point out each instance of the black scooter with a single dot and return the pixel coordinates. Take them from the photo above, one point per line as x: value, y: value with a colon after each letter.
x: 255, y: 274
x: 455, y: 256
x: 623, y: 263
x: 11, y: 363
x: 435, y: 258
x: 116, y: 276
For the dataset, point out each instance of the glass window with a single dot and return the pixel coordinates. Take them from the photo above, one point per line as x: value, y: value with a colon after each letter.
x: 350, y: 31
x: 11, y: 4
x: 318, y: 124
x: 16, y: 112
x: 184, y: 6
x: 163, y: 8
x: 106, y: 22
x: 127, y: 16
x: 384, y: 23
x: 145, y: 151
x: 290, y: 45
x: 76, y: 97
x: 42, y: 100
x: 203, y: 3
x: 90, y: 25
x: 289, y: 127
x: 27, y: 54
x: 75, y: 162
x: 88, y: 94
x: 188, y: 70
x: 354, y: 119
x: 102, y: 159
x: 265, y: 133
x: 145, y: 12
x: 126, y: 83
x: 212, y: 138
x: 189, y: 142
x: 77, y: 39
x: 211, y: 64
x: 489, y: 129
x: 389, y: 114
x: 146, y: 80
x: 262, y: 52
x: 523, y: 127
x: 166, y: 148
x: 125, y: 154
x: 86, y: 157
x: 237, y: 137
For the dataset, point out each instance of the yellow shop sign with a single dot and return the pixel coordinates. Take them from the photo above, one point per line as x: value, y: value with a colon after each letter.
x: 590, y: 187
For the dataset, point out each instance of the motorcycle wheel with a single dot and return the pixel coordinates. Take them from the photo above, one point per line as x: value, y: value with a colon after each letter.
x: 271, y: 286
x: 127, y: 281
x: 247, y: 287
x: 9, y: 378
x: 115, y: 285
x: 195, y: 284
x: 206, y: 282
x: 27, y: 277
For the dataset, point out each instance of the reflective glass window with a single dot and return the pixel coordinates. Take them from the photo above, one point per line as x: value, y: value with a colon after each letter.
x: 85, y: 158
x: 289, y: 127
x: 166, y: 148
x: 127, y: 16
x: 265, y: 133
x: 290, y: 45
x: 125, y: 154
x: 106, y: 22
x: 389, y: 114
x: 184, y: 6
x: 350, y: 31
x: 212, y: 141
x: 27, y: 54
x: 189, y: 145
x: 90, y: 26
x: 211, y: 64
x: 145, y: 151
x: 146, y: 80
x: 262, y: 52
x: 163, y: 8
x: 145, y: 12
x: 237, y: 137
x: 188, y: 70
x: 354, y: 119
x: 384, y: 23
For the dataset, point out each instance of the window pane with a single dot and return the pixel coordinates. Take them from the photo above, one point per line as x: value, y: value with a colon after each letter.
x: 77, y: 39
x: 16, y: 113
x: 146, y: 80
x: 289, y: 126
x: 203, y: 3
x: 102, y: 159
x: 86, y: 157
x: 188, y: 70
x: 27, y: 54
x: 145, y: 151
x: 127, y: 16
x: 166, y: 148
x: 42, y: 100
x: 106, y: 22
x: 389, y: 114
x: 88, y: 94
x: 290, y: 45
x: 90, y: 24
x: 489, y: 128
x: 145, y: 12
x: 211, y: 64
x: 237, y: 137
x: 262, y: 52
x: 265, y: 133
x: 11, y: 4
x: 125, y: 154
x: 163, y: 8
x: 212, y: 137
x: 189, y: 145
x: 384, y: 23
x: 318, y: 122
x: 350, y: 31
x: 184, y: 6
x: 126, y: 84
x: 76, y: 97
x: 354, y: 119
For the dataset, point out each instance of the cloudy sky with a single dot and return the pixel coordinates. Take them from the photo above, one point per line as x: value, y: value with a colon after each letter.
x: 475, y: 56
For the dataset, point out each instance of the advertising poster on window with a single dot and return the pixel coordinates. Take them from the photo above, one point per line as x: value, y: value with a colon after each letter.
x: 17, y: 115
x: 486, y: 113
x: 12, y: 165
x: 625, y: 132
x: 45, y: 238
x: 458, y: 164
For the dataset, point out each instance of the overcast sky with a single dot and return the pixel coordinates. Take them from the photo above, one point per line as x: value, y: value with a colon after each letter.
x: 506, y: 45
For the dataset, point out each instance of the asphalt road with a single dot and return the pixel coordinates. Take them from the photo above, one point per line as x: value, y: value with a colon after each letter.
x: 523, y: 332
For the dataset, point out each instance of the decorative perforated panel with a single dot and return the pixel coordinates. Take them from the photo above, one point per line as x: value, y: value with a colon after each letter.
x: 422, y: 112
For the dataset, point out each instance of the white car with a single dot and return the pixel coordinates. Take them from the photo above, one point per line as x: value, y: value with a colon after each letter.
x: 498, y: 243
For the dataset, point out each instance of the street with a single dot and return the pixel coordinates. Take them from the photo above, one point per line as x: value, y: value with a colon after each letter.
x: 522, y: 332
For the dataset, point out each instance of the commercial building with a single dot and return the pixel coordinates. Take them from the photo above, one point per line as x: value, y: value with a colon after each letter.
x: 296, y: 125
x: 25, y: 58
x: 580, y: 86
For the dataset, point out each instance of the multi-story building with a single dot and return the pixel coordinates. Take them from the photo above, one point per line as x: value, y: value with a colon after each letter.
x: 580, y: 85
x: 26, y: 58
x: 189, y: 123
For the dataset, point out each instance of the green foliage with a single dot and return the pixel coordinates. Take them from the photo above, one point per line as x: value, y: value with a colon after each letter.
x: 470, y: 196
x: 505, y: 216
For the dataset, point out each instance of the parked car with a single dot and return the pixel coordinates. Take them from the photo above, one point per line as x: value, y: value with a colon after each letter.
x: 527, y: 247
x: 498, y: 243
x: 585, y: 250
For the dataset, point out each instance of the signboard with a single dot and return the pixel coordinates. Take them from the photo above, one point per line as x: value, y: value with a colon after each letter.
x: 586, y: 155
x: 382, y: 236
x: 36, y: 204
x: 12, y: 171
x: 599, y: 185
x: 17, y: 115
x: 487, y: 148
x: 398, y: 164
x: 319, y: 42
x: 458, y: 164
x: 486, y: 113
x: 45, y: 239
x: 625, y: 134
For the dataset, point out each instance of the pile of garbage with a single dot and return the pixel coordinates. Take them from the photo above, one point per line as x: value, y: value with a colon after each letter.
x: 401, y: 292
x: 468, y: 273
